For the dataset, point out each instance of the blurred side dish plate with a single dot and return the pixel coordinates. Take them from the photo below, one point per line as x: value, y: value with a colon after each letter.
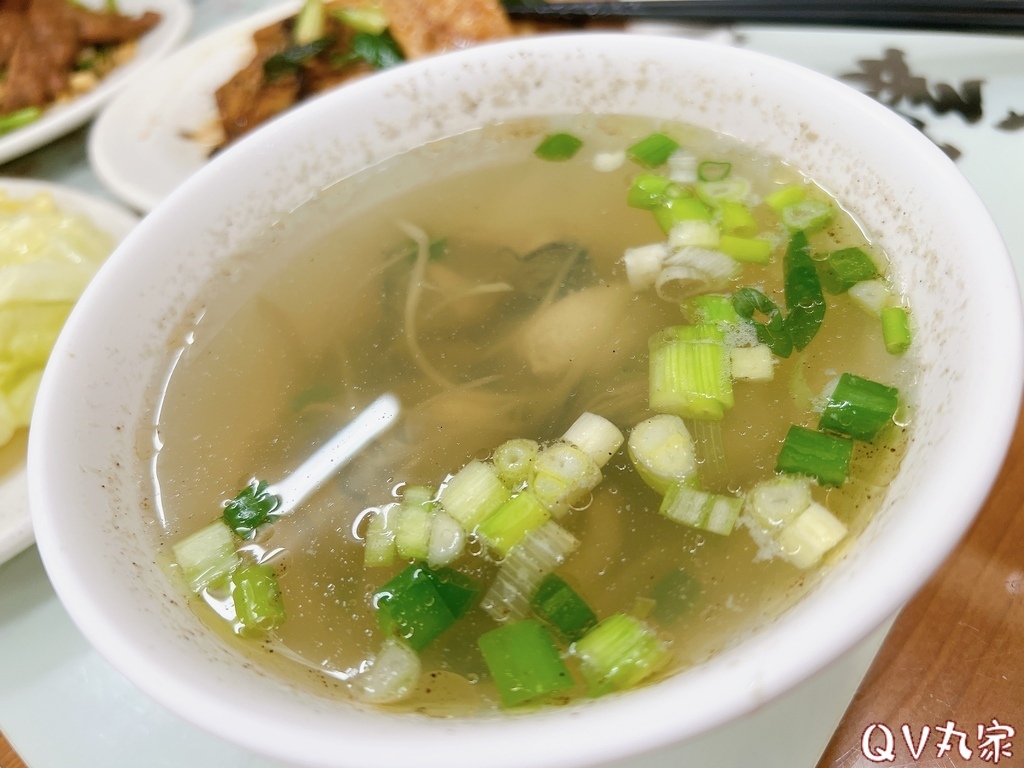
x: 60, y: 61
x: 221, y: 86
x: 52, y: 241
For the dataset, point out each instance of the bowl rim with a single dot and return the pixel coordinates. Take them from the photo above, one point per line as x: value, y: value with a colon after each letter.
x: 604, y: 720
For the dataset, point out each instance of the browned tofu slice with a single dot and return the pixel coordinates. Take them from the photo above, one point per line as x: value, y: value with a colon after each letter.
x: 422, y: 28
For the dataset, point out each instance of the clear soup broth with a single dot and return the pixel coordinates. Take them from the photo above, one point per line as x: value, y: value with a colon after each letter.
x: 498, y: 293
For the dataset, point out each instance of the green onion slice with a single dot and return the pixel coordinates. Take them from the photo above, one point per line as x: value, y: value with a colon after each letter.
x: 558, y: 147
x: 252, y: 507
x: 524, y: 662
x: 713, y: 170
x: 805, y: 301
x: 773, y: 331
x: 815, y: 454
x: 652, y: 151
x: 859, y: 407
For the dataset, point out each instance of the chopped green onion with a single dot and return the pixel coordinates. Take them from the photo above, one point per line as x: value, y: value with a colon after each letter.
x: 419, y: 495
x: 524, y: 662
x: 661, y: 449
x: 807, y: 215
x: 257, y: 599
x: 391, y: 676
x: 785, y: 197
x: 207, y: 555
x: 777, y: 502
x: 562, y: 475
x: 736, y: 218
x: 644, y: 264
x: 596, y: 436
x: 711, y: 512
x: 694, y: 232
x: 513, y: 459
x: 652, y: 151
x: 805, y: 540
x: 619, y: 653
x: 710, y: 308
x: 410, y: 607
x: 674, y: 594
x: 447, y: 540
x: 895, y: 330
x: 804, y: 299
x: 678, y: 209
x: 751, y: 250
x: 19, y: 118
x: 512, y: 522
x: 309, y: 23
x: 649, y: 190
x: 379, y: 548
x: 558, y: 146
x: 773, y: 333
x: 560, y: 605
x: 412, y: 534
x: 689, y: 372
x: 714, y: 193
x: 371, y: 19
x: 815, y: 454
x: 252, y: 507
x: 756, y: 363
x: 843, y: 269
x: 473, y: 493
x: 859, y: 407
x: 713, y: 170
x: 872, y: 296
x: 458, y: 590
x: 522, y: 571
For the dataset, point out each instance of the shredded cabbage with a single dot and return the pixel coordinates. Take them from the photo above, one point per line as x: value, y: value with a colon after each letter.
x: 47, y: 257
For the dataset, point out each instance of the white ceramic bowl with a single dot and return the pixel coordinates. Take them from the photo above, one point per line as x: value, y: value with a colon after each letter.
x: 87, y: 483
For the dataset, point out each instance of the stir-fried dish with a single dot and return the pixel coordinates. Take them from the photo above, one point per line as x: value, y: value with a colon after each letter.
x: 51, y: 50
x: 327, y: 44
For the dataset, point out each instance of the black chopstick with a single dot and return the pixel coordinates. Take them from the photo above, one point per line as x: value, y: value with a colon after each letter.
x: 1004, y: 16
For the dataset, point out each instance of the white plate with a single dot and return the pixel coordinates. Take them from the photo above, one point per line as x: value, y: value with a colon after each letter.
x: 139, y: 146
x: 15, y: 523
x: 65, y: 117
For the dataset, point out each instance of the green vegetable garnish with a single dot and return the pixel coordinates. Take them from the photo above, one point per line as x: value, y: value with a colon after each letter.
x: 653, y: 151
x: 804, y: 299
x: 773, y: 332
x: 815, y: 454
x: 558, y: 146
x: 859, y: 407
x: 257, y: 599
x: 649, y: 190
x: 896, y: 330
x: 524, y: 662
x: 291, y: 59
x: 843, y: 269
x: 19, y: 118
x: 251, y: 508
x: 713, y: 170
x: 379, y: 51
x: 562, y: 607
x: 411, y: 608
